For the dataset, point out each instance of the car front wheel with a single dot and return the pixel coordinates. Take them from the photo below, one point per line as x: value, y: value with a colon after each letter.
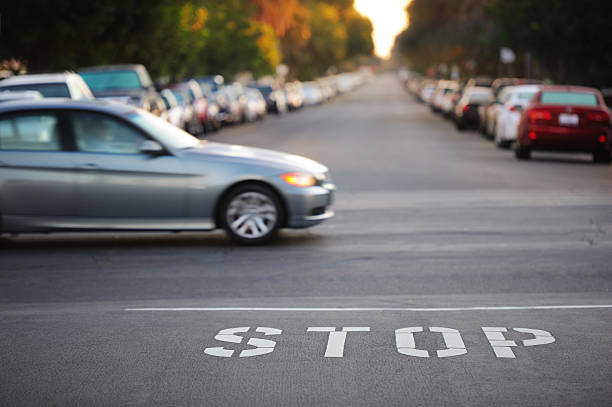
x: 251, y: 214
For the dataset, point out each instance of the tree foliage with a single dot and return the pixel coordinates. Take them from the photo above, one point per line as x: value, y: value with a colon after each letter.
x: 569, y: 40
x: 177, y: 38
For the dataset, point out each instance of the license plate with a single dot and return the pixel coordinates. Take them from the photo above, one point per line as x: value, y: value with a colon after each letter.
x: 566, y: 119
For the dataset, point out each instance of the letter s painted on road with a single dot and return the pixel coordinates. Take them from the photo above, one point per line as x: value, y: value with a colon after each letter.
x: 262, y: 346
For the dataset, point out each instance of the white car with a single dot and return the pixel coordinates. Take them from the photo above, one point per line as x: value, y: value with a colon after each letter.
x: 493, y: 110
x: 59, y: 85
x: 444, y: 87
x: 427, y: 92
x: 510, y: 112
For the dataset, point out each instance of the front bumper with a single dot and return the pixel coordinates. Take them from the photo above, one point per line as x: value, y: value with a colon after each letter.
x: 310, y: 207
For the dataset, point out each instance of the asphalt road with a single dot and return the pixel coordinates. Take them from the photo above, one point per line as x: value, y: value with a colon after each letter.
x: 434, y: 229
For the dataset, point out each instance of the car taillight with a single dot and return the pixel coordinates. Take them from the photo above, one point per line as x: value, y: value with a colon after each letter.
x: 602, y: 138
x: 536, y: 116
x: 599, y: 117
x: 466, y: 108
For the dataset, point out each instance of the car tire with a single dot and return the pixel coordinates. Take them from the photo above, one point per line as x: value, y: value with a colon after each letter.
x: 522, y: 153
x: 251, y: 214
x: 602, y: 157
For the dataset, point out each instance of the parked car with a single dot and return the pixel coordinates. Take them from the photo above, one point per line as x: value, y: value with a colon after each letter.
x: 191, y: 123
x: 566, y: 118
x: 275, y: 99
x: 176, y: 114
x: 232, y: 109
x: 491, y: 112
x: 488, y: 112
x: 509, y: 114
x: 442, y: 89
x: 312, y: 94
x: 213, y: 109
x: 256, y: 105
x: 54, y: 85
x: 295, y: 97
x: 128, y: 83
x: 93, y: 166
x: 426, y: 91
x: 198, y: 102
x: 466, y: 109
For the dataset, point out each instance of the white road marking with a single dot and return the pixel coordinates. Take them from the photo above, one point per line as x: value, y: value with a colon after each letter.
x: 336, y: 339
x: 262, y: 346
x: 502, y: 347
x: 367, y: 309
x: 541, y: 337
x: 404, y: 340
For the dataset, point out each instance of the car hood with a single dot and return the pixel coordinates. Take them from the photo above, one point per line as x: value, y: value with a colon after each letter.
x: 256, y: 156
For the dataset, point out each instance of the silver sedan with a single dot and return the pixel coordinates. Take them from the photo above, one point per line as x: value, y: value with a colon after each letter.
x: 67, y: 165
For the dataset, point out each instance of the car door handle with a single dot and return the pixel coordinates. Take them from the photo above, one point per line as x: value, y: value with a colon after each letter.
x: 2, y: 164
x: 89, y: 166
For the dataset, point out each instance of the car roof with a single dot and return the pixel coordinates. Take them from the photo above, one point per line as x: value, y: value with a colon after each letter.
x: 524, y: 88
x: 36, y: 78
x: 61, y: 103
x: 568, y: 88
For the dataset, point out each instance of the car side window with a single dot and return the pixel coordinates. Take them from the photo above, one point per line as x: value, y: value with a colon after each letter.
x: 30, y: 131
x: 98, y: 133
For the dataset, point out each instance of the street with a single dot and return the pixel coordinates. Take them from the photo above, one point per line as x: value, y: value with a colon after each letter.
x: 505, y: 264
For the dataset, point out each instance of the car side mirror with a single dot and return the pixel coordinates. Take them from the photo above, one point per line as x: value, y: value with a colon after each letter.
x: 151, y: 147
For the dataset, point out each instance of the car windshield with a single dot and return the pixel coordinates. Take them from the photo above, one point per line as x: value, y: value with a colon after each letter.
x: 112, y: 80
x: 48, y: 90
x: 569, y: 98
x: 479, y: 97
x: 166, y: 133
x: 526, y: 96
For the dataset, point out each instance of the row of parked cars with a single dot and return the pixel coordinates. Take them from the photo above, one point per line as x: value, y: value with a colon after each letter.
x: 523, y: 114
x: 200, y: 105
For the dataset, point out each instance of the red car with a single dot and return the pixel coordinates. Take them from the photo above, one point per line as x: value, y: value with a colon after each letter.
x: 566, y: 118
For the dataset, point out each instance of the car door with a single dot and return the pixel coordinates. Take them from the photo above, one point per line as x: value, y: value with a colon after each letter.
x: 37, y: 176
x: 118, y: 186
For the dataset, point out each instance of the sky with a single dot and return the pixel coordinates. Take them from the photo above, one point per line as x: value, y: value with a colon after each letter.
x: 388, y: 18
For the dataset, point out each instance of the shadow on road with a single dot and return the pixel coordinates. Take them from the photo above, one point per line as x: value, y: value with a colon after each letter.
x: 210, y: 240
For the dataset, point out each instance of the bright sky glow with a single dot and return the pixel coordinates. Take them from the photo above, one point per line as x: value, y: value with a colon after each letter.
x: 388, y: 18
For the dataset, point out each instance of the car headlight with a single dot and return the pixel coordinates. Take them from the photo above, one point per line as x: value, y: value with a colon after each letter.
x: 299, y: 179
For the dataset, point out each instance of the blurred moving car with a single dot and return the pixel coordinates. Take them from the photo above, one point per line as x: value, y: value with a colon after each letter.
x: 50, y: 85
x: 509, y: 114
x: 566, y: 118
x: 110, y: 166
x: 128, y: 83
x: 466, y: 109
